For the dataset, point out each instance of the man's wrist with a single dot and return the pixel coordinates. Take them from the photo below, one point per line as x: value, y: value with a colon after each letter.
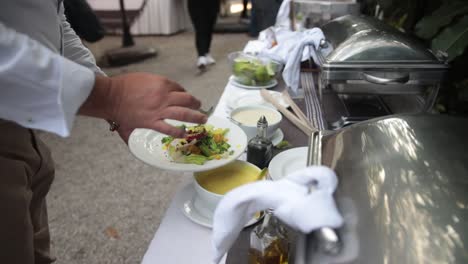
x: 99, y: 103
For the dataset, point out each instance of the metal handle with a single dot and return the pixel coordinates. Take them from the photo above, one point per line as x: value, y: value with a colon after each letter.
x: 380, y: 80
x: 329, y: 241
x: 328, y: 238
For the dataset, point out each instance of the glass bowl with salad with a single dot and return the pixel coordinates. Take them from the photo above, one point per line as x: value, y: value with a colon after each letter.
x: 252, y: 70
x: 200, y: 144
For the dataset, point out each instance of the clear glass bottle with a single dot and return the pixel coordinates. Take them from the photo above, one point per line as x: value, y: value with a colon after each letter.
x: 260, y: 148
x: 269, y: 242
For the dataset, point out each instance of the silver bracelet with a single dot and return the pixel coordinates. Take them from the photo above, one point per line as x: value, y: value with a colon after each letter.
x: 113, y: 126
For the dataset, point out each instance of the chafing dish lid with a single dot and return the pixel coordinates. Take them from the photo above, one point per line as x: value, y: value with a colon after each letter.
x: 359, y: 39
x: 407, y: 176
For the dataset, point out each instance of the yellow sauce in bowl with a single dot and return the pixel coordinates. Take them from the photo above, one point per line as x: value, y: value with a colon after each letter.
x: 226, y: 178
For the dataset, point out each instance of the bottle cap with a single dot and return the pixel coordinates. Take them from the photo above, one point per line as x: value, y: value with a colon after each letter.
x: 262, y: 122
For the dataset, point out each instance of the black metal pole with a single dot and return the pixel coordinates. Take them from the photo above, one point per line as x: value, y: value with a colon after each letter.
x: 127, y: 39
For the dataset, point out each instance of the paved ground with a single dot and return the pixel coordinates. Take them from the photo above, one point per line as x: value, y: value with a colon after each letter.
x: 105, y: 206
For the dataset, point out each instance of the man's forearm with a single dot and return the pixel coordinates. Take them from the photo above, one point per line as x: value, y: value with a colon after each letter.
x: 40, y: 89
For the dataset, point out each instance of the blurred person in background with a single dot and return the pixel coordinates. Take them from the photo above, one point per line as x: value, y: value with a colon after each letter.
x: 203, y: 14
x: 263, y: 15
x: 244, y: 15
x: 83, y: 20
x: 47, y: 77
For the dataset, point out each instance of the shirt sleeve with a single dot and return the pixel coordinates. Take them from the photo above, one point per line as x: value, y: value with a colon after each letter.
x: 74, y: 49
x: 40, y: 89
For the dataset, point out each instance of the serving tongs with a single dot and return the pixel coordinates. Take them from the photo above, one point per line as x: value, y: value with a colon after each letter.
x: 328, y: 238
x: 296, y: 116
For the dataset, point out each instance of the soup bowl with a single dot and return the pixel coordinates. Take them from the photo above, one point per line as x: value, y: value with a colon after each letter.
x: 246, y: 117
x: 212, y: 185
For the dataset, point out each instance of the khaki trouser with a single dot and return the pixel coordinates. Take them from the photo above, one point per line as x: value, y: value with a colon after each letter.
x: 26, y: 173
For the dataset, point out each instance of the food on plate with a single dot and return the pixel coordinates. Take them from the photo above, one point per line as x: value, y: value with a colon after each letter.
x: 226, y: 178
x: 253, y: 71
x: 200, y: 144
x: 250, y: 116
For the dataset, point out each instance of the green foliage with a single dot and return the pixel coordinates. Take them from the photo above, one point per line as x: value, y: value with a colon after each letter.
x: 429, y: 26
x: 443, y: 25
x: 452, y: 40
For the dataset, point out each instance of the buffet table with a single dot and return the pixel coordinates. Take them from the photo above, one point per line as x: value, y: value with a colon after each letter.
x: 177, y: 232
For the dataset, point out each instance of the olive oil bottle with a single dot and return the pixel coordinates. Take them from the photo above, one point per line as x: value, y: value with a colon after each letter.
x: 269, y: 243
x: 260, y: 148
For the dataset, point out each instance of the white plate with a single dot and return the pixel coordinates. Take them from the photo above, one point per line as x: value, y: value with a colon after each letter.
x: 273, y: 83
x: 146, y: 145
x: 189, y: 210
x: 287, y: 161
x: 254, y: 98
x: 277, y: 137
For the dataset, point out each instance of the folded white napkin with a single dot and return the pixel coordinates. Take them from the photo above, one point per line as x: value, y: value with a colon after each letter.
x: 301, y: 52
x: 290, y: 198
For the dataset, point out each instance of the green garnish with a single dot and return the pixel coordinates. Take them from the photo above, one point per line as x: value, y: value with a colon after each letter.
x: 166, y: 140
x: 283, y: 144
x: 195, y: 159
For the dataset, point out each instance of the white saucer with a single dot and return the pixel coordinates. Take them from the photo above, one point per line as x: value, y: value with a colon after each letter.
x: 288, y: 161
x: 273, y: 83
x: 277, y: 137
x: 189, y: 210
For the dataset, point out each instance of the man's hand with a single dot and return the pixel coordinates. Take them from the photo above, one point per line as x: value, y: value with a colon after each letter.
x: 141, y: 100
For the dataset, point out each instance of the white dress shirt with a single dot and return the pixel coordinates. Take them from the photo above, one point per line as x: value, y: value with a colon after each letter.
x: 45, y: 71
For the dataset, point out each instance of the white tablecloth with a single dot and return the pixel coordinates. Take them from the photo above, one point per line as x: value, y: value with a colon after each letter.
x: 178, y: 239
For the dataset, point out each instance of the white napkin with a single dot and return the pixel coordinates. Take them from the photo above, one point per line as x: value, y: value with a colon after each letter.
x: 292, y: 48
x: 290, y: 199
x: 282, y: 18
x: 301, y: 52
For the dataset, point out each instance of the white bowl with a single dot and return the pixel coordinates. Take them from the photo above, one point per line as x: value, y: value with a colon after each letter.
x: 255, y: 112
x: 205, y: 201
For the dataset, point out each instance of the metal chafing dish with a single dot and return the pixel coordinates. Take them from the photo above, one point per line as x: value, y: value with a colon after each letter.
x: 374, y: 70
x: 403, y: 191
x: 314, y: 13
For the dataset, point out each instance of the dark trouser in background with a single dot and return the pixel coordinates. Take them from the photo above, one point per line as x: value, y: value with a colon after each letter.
x: 26, y: 173
x: 244, y: 8
x: 203, y: 14
x: 263, y: 15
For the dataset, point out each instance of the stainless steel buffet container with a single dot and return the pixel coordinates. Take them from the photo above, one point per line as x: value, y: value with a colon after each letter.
x: 374, y: 70
x: 314, y: 13
x: 403, y: 191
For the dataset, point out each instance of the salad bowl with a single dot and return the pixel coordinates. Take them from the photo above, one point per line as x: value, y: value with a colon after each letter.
x: 254, y: 70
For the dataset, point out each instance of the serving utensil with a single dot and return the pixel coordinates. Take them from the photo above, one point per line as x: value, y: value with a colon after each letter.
x: 207, y: 112
x: 262, y: 174
x: 303, y: 125
x: 294, y: 107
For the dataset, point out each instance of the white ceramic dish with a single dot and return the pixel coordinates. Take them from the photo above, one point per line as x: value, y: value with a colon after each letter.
x: 287, y: 161
x: 192, y: 213
x: 272, y: 84
x: 251, y: 129
x: 277, y: 137
x: 146, y: 145
x: 254, y: 98
x: 206, y: 201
